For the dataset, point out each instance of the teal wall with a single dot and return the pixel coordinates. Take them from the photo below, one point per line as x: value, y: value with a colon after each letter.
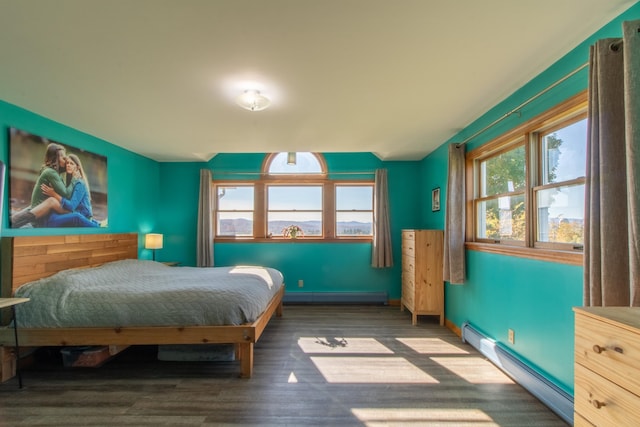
x: 333, y: 267
x: 132, y: 179
x: 533, y: 298
x: 177, y: 220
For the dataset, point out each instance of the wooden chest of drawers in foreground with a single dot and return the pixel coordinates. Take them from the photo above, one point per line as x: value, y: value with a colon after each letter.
x: 607, y: 366
x: 422, y: 284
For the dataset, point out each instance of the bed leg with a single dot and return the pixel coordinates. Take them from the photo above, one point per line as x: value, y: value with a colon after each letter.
x: 279, y: 309
x: 245, y: 353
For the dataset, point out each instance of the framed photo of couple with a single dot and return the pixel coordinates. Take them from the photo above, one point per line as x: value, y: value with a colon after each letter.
x: 52, y: 184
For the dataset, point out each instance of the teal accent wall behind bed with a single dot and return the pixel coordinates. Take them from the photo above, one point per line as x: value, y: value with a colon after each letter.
x: 132, y: 179
x: 534, y: 298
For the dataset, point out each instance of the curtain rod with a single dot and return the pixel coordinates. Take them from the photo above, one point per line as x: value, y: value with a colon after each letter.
x: 528, y: 101
x: 285, y: 174
x: 615, y: 46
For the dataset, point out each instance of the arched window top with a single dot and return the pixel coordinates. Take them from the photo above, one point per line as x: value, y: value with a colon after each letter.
x: 300, y: 163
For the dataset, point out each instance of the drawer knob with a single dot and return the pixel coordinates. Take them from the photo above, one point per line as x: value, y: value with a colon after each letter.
x: 598, y: 349
x: 598, y: 404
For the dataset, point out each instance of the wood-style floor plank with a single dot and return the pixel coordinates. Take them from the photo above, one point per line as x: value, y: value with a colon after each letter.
x: 315, y: 366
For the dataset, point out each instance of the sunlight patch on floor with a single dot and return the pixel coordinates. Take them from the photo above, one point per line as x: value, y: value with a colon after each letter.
x: 372, y: 417
x: 292, y: 378
x: 371, y: 370
x: 431, y: 346
x: 475, y: 370
x: 342, y: 345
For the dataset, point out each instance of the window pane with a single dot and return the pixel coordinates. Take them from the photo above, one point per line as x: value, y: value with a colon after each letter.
x: 295, y: 198
x: 302, y: 206
x: 306, y: 163
x: 234, y: 223
x: 503, y: 173
x: 354, y: 197
x: 561, y: 214
x: 234, y: 214
x: 354, y: 223
x: 235, y: 198
x: 309, y: 222
x: 564, y: 153
x: 502, y: 218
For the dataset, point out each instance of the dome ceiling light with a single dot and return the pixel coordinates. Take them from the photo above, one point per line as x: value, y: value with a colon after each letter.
x: 253, y: 100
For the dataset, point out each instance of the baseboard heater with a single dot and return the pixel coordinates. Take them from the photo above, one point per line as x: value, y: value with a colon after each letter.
x: 336, y: 297
x: 558, y: 400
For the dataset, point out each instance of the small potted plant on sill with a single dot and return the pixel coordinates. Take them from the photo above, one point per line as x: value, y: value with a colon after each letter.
x: 292, y: 232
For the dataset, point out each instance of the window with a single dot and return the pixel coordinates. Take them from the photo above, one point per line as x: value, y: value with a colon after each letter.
x: 234, y: 210
x: 299, y: 205
x: 305, y: 163
x: 354, y: 210
x: 559, y: 200
x: 294, y: 194
x: 527, y: 192
x: 500, y: 208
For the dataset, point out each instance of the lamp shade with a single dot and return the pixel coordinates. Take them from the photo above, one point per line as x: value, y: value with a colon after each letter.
x: 153, y: 241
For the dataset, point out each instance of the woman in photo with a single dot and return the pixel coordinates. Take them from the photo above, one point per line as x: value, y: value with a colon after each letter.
x: 76, y: 210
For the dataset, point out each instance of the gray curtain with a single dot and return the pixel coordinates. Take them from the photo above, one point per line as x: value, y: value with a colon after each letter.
x: 381, y: 254
x: 454, y: 231
x: 612, y: 211
x: 205, y: 228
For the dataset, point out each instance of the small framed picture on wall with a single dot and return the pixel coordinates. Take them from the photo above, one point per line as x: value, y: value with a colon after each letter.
x: 435, y: 199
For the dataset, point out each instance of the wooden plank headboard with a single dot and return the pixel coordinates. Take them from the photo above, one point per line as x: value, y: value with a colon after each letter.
x: 28, y: 258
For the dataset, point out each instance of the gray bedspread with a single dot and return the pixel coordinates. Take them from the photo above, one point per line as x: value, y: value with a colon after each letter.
x: 148, y: 293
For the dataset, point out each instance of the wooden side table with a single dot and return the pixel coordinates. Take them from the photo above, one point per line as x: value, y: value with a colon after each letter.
x: 13, y: 302
x: 171, y: 263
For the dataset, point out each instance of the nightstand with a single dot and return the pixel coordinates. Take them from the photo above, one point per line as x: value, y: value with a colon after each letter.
x: 13, y: 302
x: 171, y: 263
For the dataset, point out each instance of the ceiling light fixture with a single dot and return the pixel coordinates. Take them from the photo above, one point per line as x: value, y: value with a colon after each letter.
x: 253, y: 100
x: 291, y: 158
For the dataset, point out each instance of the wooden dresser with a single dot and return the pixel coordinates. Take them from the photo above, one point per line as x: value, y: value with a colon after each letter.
x: 607, y: 366
x: 422, y: 283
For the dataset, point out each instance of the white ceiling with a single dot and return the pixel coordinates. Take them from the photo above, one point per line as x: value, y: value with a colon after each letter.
x: 396, y: 78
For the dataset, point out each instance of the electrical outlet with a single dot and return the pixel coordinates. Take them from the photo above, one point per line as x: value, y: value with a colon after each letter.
x: 300, y: 283
x: 512, y: 336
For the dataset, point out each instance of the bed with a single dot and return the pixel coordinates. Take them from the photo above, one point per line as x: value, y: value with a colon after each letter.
x: 29, y: 261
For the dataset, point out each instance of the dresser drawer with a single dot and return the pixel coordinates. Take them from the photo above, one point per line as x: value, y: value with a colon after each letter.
x: 409, y: 234
x: 408, y: 284
x: 602, y: 402
x: 609, y: 350
x: 408, y: 248
x: 409, y: 265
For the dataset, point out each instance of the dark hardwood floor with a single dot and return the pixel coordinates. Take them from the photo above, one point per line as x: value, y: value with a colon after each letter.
x: 316, y: 366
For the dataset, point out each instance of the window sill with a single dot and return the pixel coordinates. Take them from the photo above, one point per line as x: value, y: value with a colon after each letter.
x: 562, y: 257
x: 299, y: 240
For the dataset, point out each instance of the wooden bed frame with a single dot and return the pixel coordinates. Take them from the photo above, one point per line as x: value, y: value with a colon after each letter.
x: 25, y: 259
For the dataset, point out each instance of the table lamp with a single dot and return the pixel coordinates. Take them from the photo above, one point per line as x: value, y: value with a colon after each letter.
x: 153, y: 241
